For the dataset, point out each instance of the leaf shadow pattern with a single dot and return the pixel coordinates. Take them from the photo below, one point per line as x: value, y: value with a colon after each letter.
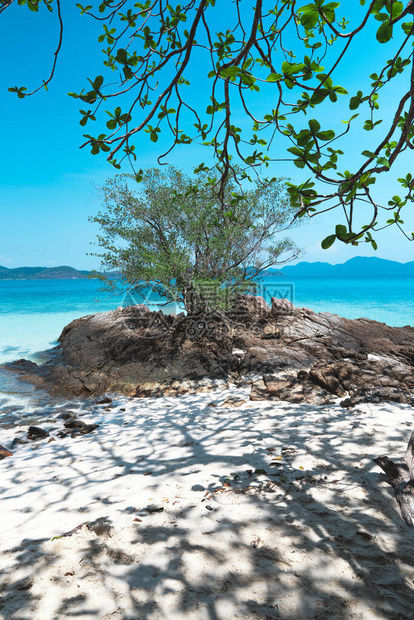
x: 268, y: 510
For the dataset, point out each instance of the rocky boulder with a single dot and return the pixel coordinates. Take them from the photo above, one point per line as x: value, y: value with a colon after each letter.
x: 281, y: 307
x: 249, y: 308
x: 299, y: 355
x: 290, y: 388
x: 4, y: 453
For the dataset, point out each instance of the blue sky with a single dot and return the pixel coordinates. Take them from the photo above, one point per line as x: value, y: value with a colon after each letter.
x: 48, y: 185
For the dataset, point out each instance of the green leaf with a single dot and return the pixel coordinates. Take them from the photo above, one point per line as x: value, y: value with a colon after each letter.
x: 295, y: 151
x: 382, y: 17
x: 314, y: 125
x: 229, y: 71
x: 274, y: 77
x: 307, y: 7
x: 319, y: 96
x: 354, y: 103
x: 328, y: 14
x: 397, y: 9
x: 329, y: 134
x: 340, y: 230
x: 310, y: 18
x: 291, y: 69
x: 383, y: 161
x: 365, y: 177
x: 328, y: 241
x: 122, y: 56
x: 98, y: 82
x: 340, y: 90
x: 384, y: 32
x: 408, y: 27
x: 303, y: 138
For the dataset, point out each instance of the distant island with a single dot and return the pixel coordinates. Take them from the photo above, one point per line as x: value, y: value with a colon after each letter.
x: 42, y: 273
x: 357, y: 267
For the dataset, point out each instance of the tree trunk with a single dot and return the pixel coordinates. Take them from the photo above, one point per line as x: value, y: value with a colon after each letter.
x: 401, y: 476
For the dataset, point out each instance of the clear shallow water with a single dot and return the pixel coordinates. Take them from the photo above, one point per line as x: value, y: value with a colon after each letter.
x: 32, y: 316
x: 34, y: 312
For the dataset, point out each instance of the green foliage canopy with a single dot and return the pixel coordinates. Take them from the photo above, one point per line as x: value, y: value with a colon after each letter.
x: 289, y: 48
x: 174, y: 233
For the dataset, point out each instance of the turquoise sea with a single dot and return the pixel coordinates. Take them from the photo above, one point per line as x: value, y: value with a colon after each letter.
x: 34, y: 312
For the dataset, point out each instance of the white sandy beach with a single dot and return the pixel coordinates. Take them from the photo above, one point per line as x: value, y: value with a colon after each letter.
x: 318, y: 535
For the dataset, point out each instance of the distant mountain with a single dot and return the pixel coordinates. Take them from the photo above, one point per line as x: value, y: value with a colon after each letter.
x: 42, y: 273
x: 358, y: 267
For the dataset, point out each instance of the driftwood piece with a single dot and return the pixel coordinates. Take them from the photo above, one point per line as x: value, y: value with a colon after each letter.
x: 401, y: 476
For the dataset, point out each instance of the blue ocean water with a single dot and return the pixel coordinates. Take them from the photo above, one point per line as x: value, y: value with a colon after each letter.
x: 34, y: 312
x: 388, y: 300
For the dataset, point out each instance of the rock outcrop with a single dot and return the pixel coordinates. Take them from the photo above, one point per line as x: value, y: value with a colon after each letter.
x: 4, y: 452
x: 286, y: 353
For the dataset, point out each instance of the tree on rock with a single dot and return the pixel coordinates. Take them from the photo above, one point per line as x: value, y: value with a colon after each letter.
x: 173, y: 231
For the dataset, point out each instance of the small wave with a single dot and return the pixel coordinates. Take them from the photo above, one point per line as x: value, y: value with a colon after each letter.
x: 20, y: 400
x: 23, y: 404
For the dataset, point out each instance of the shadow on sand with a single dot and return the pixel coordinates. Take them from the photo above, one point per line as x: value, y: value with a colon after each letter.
x: 268, y: 511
